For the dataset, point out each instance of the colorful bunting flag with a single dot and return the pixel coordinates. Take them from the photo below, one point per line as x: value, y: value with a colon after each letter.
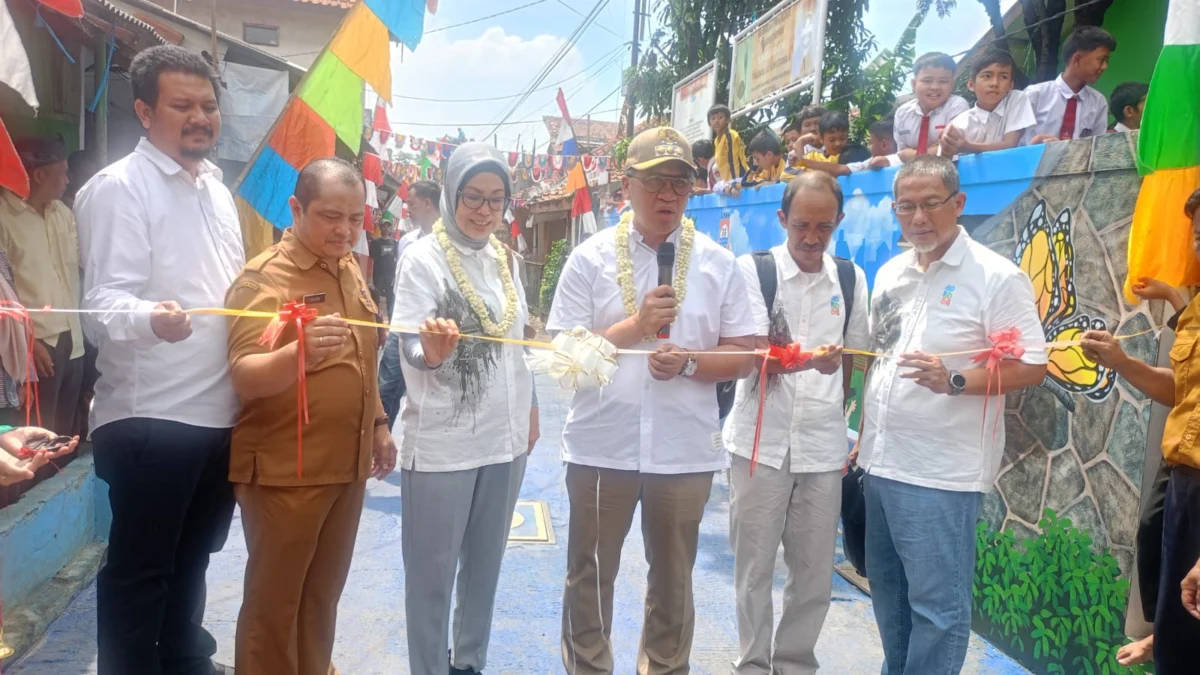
x: 362, y: 44
x: 12, y: 172
x: 404, y: 18
x: 1160, y: 241
x: 71, y: 8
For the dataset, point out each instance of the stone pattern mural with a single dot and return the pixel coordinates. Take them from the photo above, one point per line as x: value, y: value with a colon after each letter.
x: 1085, y: 465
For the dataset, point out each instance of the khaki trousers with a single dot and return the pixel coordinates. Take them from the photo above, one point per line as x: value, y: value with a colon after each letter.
x: 300, y: 541
x: 672, y: 506
x: 800, y: 510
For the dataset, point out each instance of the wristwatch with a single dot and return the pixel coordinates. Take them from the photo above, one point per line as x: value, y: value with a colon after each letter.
x: 689, y: 368
x: 958, y: 383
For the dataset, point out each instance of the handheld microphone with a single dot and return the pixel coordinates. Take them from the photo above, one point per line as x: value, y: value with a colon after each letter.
x: 666, y: 270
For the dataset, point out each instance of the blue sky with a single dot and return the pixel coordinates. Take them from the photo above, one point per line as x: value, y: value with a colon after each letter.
x: 500, y: 56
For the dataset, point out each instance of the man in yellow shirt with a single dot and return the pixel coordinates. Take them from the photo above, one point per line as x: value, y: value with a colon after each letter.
x: 1176, y: 626
x: 38, y: 234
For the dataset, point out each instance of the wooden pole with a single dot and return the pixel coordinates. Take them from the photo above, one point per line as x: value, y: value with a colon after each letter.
x: 102, y: 66
x: 213, y: 27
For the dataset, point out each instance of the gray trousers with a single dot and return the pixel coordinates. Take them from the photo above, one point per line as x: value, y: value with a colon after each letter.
x: 454, y: 523
x: 801, y: 511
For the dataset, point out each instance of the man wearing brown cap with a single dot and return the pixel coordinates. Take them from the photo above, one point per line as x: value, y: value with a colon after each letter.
x: 652, y: 435
x: 39, y: 236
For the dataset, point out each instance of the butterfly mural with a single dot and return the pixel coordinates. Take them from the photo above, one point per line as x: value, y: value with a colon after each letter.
x: 1046, y: 253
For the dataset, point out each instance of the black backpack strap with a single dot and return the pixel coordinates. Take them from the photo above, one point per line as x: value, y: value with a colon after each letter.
x: 768, y: 280
x: 847, y: 278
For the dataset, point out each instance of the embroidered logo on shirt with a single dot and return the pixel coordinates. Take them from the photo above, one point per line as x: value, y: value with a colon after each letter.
x: 835, y: 305
x: 948, y: 295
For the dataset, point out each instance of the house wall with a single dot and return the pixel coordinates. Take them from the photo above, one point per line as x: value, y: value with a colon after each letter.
x: 303, y: 28
x: 1067, y: 496
x: 57, y: 82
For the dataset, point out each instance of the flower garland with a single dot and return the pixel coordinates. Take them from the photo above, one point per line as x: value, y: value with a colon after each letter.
x: 468, y: 290
x: 625, y: 262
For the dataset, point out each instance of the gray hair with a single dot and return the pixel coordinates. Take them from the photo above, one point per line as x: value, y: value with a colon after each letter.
x: 929, y: 165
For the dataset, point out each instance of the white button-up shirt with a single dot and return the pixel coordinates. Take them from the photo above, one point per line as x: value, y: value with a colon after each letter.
x: 1013, y: 113
x: 907, y: 125
x: 1049, y: 101
x: 148, y: 233
x: 803, y: 416
x: 933, y: 440
x: 638, y: 423
x: 473, y: 410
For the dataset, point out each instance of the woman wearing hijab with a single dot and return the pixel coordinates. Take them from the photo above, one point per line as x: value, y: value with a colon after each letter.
x: 466, y: 422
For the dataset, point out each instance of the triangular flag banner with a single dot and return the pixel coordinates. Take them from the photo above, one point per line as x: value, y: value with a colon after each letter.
x: 302, y: 136
x: 12, y: 172
x: 335, y: 93
x: 382, y: 125
x: 362, y: 44
x: 71, y: 8
x: 14, y: 62
x: 404, y: 18
x: 576, y: 180
x: 372, y: 168
x: 1160, y: 241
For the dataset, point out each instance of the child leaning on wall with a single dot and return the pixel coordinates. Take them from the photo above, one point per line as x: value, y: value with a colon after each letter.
x: 1127, y: 104
x: 919, y: 123
x: 1001, y: 114
x: 1068, y: 107
x: 883, y: 153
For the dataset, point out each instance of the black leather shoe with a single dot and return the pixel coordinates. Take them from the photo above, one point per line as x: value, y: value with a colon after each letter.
x: 468, y: 671
x: 222, y: 669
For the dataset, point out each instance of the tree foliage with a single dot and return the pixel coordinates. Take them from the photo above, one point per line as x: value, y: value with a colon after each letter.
x: 695, y: 32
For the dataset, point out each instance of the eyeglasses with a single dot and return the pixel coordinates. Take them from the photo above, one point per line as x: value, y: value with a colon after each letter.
x: 655, y: 184
x: 909, y: 208
x: 475, y: 201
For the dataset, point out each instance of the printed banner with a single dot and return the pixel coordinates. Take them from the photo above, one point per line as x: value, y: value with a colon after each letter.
x: 690, y: 100
x: 779, y: 52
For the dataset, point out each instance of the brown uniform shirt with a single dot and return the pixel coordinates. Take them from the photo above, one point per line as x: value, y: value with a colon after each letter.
x: 1181, y: 436
x: 343, y: 401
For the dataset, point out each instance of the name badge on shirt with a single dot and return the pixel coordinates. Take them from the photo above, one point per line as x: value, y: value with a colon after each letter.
x: 313, y: 299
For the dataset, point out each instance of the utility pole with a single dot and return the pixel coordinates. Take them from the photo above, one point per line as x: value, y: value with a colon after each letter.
x: 637, y: 32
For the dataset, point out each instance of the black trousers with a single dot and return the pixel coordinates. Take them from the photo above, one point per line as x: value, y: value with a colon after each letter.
x: 1176, y: 633
x: 172, y: 504
x: 1150, y: 541
x: 58, y: 395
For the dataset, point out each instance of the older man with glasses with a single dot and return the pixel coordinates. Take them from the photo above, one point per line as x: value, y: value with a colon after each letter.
x: 651, y: 437
x: 928, y: 449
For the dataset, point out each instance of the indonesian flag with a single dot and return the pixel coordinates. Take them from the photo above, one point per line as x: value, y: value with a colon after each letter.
x: 1160, y: 242
x: 566, y: 135
x: 381, y: 125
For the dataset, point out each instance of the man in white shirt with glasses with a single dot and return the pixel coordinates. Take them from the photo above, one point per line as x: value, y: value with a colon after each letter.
x: 651, y: 436
x: 928, y: 450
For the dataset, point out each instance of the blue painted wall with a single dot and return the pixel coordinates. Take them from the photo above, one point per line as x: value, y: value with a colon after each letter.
x: 870, y: 234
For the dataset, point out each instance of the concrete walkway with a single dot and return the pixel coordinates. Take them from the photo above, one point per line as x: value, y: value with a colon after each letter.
x: 526, y: 636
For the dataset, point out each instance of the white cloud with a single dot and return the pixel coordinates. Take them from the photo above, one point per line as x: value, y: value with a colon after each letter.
x: 493, y: 64
x: 867, y: 225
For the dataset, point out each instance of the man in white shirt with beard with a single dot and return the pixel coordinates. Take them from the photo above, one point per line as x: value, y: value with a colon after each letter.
x: 928, y: 450
x: 793, y: 495
x: 158, y: 232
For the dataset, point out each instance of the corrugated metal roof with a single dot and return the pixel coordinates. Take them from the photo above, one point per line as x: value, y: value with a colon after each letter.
x: 129, y: 18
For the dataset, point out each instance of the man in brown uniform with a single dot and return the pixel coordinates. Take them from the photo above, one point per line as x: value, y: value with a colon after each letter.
x: 301, y: 503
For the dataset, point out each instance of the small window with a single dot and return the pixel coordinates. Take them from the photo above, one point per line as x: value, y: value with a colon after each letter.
x: 258, y: 34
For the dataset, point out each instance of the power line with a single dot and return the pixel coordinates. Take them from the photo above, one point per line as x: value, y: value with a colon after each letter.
x: 481, y: 124
x: 601, y: 101
x: 553, y: 62
x: 510, y: 96
x: 484, y: 18
x: 578, y: 13
x: 438, y: 30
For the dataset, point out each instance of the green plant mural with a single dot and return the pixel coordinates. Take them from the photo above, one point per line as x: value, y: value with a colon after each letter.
x: 1051, y: 598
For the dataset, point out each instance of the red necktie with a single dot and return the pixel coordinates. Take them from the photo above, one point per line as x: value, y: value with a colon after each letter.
x: 923, y: 140
x: 1067, y: 132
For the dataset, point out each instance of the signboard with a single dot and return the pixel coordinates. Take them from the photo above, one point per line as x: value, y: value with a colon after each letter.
x: 778, y: 54
x: 690, y: 100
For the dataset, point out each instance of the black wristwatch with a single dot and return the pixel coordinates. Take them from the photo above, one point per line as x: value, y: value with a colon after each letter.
x: 958, y: 383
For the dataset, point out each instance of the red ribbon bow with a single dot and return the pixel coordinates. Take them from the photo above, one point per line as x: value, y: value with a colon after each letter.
x: 791, y: 357
x: 1004, y: 345
x: 299, y: 314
